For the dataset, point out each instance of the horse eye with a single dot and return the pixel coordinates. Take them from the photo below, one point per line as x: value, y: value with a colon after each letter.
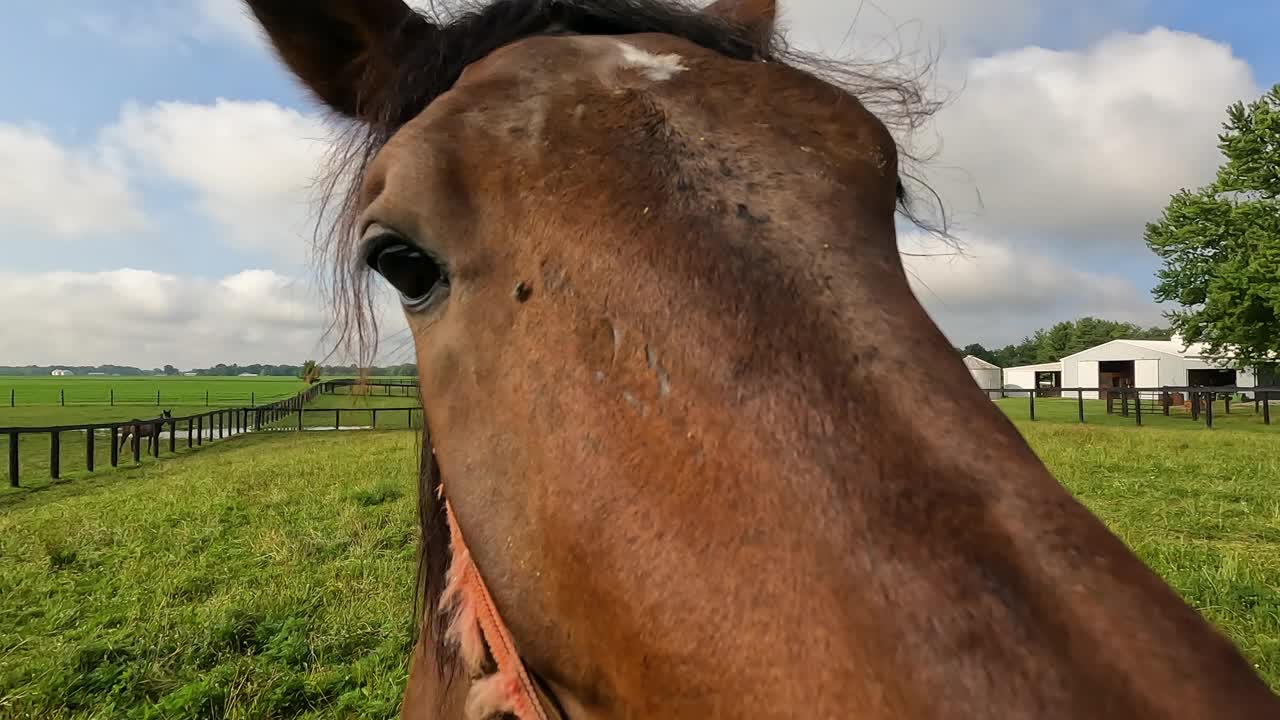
x: 413, y: 273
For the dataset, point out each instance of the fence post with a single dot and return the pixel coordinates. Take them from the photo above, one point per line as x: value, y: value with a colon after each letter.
x: 220, y: 423
x: 113, y: 397
x: 337, y: 419
x: 1164, y: 402
x: 253, y: 398
x: 1032, y: 396
x: 13, y: 459
x: 200, y: 430
x: 115, y: 446
x: 300, y: 411
x: 173, y: 436
x: 55, y: 454
x: 1228, y: 402
x: 11, y: 396
x: 155, y: 439
x: 190, y: 424
x: 89, y: 437
x: 62, y: 397
x: 157, y: 398
x: 1266, y: 408
x: 1137, y: 406
x: 206, y: 398
x: 409, y: 413
x: 137, y: 445
x: 1208, y: 411
x: 374, y: 423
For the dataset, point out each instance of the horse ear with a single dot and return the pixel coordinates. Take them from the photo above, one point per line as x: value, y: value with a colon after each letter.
x: 759, y: 17
x: 347, y: 52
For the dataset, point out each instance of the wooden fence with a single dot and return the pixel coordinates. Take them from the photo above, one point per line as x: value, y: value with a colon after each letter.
x: 211, y: 426
x: 1129, y: 401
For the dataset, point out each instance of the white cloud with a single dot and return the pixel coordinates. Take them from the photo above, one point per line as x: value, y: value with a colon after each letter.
x: 149, y: 319
x: 230, y: 17
x: 61, y: 191
x: 165, y: 26
x: 250, y: 165
x: 1086, y: 146
x: 996, y: 293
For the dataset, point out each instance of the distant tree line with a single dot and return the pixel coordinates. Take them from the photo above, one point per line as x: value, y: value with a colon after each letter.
x: 77, y: 369
x: 222, y: 370
x: 219, y: 370
x: 1063, y: 339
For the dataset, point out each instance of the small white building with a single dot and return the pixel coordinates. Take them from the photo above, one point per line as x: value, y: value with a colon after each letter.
x: 61, y: 373
x: 1044, y: 377
x: 1148, y: 364
x: 987, y: 376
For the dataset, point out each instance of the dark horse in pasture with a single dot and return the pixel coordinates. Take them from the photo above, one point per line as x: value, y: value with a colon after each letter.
x: 671, y: 368
x: 150, y: 429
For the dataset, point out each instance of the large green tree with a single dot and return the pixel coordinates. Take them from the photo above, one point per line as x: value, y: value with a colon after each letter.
x: 1220, y: 245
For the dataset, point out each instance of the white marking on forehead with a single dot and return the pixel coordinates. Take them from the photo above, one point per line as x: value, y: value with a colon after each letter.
x: 655, y: 67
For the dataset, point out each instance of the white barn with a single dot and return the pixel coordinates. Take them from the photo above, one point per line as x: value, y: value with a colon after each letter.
x: 1044, y: 376
x: 61, y: 372
x: 1148, y: 364
x: 986, y: 375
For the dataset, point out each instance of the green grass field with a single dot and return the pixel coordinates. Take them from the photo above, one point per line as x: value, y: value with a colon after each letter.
x: 1201, y: 508
x: 352, y: 411
x: 17, y: 393
x: 271, y: 575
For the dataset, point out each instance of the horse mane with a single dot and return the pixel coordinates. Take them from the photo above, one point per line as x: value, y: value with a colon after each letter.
x: 897, y: 98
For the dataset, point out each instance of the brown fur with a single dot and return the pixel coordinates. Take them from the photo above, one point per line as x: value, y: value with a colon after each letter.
x: 683, y: 456
x: 149, y: 429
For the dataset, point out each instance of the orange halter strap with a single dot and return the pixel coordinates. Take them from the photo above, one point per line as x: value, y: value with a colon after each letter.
x: 476, y: 624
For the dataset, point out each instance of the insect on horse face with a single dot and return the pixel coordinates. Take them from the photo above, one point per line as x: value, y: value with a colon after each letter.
x: 663, y: 336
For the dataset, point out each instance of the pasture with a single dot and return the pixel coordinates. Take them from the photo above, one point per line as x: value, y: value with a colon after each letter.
x: 271, y: 576
x: 325, y: 412
x: 22, y: 398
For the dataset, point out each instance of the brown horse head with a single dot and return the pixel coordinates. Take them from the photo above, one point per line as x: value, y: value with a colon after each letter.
x: 710, y: 456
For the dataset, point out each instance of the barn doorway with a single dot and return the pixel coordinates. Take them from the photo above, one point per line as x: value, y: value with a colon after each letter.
x: 1211, y: 378
x: 1115, y: 374
x: 1049, y: 383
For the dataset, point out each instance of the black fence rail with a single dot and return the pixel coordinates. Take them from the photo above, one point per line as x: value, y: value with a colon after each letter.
x: 1135, y: 402
x: 383, y: 388
x: 331, y: 418
x: 290, y: 413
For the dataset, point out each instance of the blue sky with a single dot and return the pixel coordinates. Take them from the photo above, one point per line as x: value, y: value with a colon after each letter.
x: 1075, y: 120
